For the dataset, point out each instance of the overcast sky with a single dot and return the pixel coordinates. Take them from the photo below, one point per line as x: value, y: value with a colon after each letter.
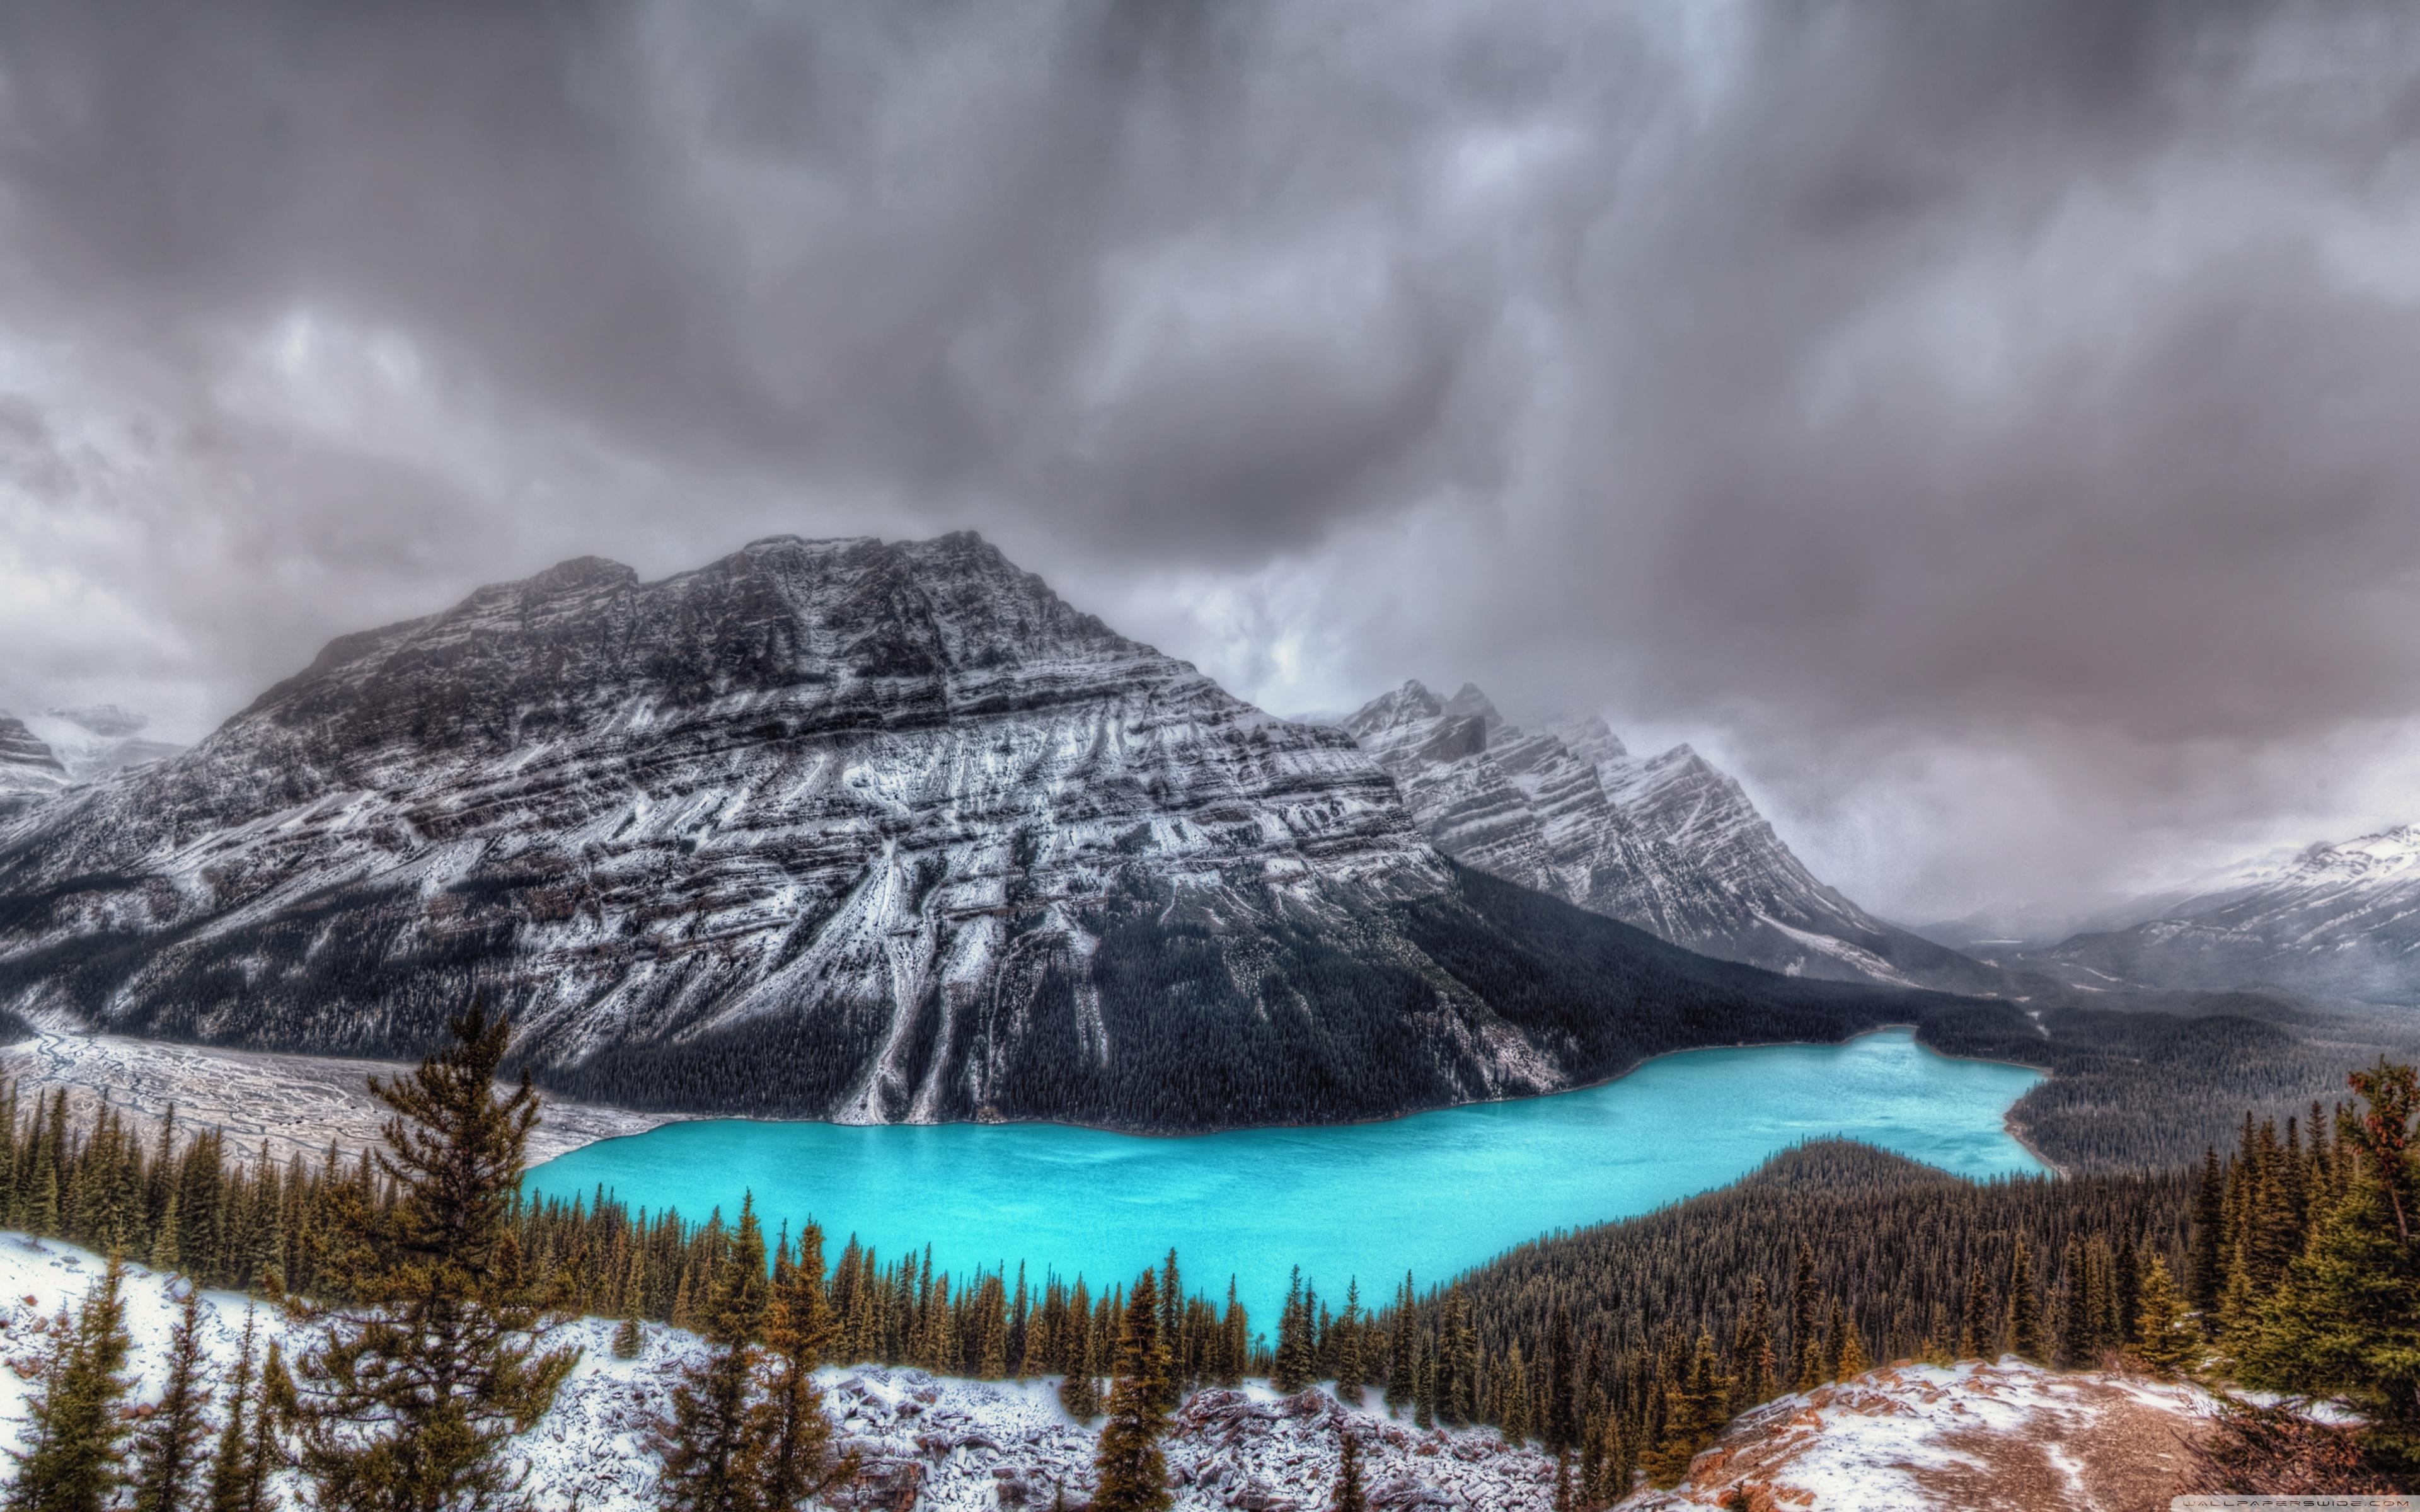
x: 1990, y: 428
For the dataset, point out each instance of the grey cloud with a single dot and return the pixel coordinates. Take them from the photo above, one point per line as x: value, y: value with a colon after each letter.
x: 2029, y: 375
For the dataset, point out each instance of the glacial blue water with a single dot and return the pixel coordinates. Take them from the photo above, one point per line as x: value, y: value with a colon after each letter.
x: 1432, y: 1192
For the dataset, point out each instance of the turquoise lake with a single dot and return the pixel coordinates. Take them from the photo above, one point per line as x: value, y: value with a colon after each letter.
x: 1432, y: 1193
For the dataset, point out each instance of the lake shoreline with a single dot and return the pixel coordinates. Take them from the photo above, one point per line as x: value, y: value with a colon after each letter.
x: 1133, y: 1133
x: 1435, y: 1192
x: 223, y: 1087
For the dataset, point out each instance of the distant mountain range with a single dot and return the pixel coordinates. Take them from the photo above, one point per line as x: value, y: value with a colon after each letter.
x: 1668, y: 843
x: 43, y: 755
x: 888, y: 831
x: 2335, y: 921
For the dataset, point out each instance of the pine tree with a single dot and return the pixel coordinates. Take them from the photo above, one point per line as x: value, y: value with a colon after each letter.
x: 632, y: 1336
x: 1806, y: 1365
x: 2206, y: 1276
x: 1835, y: 1335
x: 1349, y: 1496
x: 801, y: 1461
x: 2346, y: 1323
x: 1693, y: 1413
x: 231, y: 1478
x: 1234, y: 1355
x: 1752, y: 1348
x: 1133, y: 1475
x: 2025, y: 1308
x: 2078, y: 1321
x: 75, y: 1421
x: 1978, y: 1339
x: 1079, y: 1390
x: 168, y: 1446
x: 1349, y: 1367
x: 714, y: 1445
x: 1559, y: 1423
x: 2163, y: 1335
x: 1512, y: 1409
x: 411, y: 1390
x: 1400, y: 1349
x: 1853, y: 1362
x: 1290, y: 1370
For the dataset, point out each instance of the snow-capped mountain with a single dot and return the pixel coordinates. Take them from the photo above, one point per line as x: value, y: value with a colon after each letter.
x: 30, y: 772
x: 1666, y: 842
x: 96, y: 742
x: 43, y: 755
x: 877, y: 831
x: 2334, y: 920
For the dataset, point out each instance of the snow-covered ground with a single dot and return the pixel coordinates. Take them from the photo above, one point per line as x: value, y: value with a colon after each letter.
x: 296, y: 1105
x: 2009, y: 1436
x: 943, y: 1444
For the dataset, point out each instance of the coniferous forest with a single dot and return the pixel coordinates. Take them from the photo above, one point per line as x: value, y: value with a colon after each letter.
x: 430, y: 1286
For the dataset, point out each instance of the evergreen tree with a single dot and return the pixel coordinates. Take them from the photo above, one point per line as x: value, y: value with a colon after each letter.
x: 75, y: 1421
x: 1133, y: 1475
x: 1853, y: 1362
x: 630, y: 1337
x: 1400, y: 1349
x: 800, y: 1460
x: 1349, y: 1366
x: 1349, y: 1496
x: 2206, y: 1277
x: 2163, y: 1335
x: 2346, y: 1323
x: 411, y: 1390
x: 1693, y: 1413
x: 2025, y: 1308
x: 1558, y: 1419
x: 1079, y: 1390
x: 1752, y: 1348
x: 1234, y: 1355
x: 1291, y: 1371
x: 231, y: 1478
x: 1806, y: 1365
x: 1978, y: 1339
x: 168, y: 1446
x: 714, y: 1445
x: 1512, y: 1406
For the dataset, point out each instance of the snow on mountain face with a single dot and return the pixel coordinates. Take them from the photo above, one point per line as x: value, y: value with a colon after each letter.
x: 1667, y: 842
x: 43, y: 755
x: 30, y: 773
x: 877, y: 832
x: 2335, y: 921
x: 93, y: 743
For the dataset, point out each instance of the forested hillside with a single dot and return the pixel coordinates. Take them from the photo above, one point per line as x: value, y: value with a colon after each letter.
x: 2289, y: 1263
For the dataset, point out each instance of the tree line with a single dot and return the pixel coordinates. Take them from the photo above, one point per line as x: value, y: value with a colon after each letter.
x: 2288, y: 1263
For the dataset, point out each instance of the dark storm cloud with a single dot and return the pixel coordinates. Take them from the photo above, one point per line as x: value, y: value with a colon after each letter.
x: 2031, y: 379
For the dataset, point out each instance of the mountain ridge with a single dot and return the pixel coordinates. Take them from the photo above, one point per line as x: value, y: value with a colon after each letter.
x: 2335, y: 920
x: 854, y: 830
x: 1669, y: 842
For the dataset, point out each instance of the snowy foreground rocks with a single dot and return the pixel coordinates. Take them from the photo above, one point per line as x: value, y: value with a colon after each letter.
x: 2009, y: 1436
x: 928, y: 1443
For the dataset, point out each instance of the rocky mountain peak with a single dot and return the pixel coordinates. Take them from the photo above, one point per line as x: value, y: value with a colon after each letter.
x: 21, y: 751
x: 1671, y: 844
x: 1468, y: 701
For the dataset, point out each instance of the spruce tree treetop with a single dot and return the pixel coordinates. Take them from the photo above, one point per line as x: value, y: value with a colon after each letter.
x: 1133, y: 1471
x: 411, y: 1388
